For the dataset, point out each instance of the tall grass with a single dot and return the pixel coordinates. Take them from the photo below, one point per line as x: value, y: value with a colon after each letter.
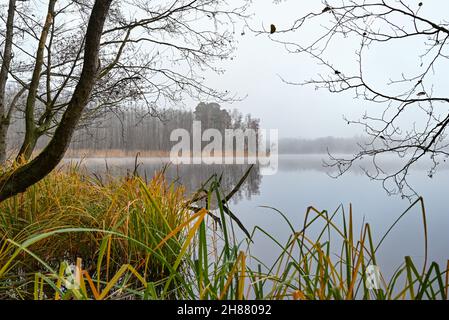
x: 112, y: 219
x: 134, y: 239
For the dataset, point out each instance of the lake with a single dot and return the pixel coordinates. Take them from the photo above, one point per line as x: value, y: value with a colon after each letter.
x: 302, y: 181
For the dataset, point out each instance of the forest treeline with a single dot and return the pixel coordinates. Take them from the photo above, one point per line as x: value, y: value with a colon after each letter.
x: 133, y: 129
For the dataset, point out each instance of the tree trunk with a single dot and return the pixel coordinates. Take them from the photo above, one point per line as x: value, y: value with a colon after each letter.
x: 6, y: 63
x: 5, y: 122
x: 17, y: 181
x: 31, y: 133
x: 28, y: 144
x: 4, y: 126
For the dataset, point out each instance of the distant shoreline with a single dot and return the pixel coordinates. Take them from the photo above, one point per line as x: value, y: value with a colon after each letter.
x: 144, y: 154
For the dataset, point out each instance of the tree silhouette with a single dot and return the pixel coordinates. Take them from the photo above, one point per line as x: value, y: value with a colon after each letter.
x: 413, y: 124
x: 92, y: 56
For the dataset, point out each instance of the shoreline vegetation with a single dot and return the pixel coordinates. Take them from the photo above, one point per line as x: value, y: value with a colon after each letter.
x: 107, y: 153
x: 287, y: 146
x: 74, y: 236
x: 117, y: 153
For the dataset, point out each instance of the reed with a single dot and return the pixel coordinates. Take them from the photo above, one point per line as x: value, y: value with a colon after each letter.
x: 75, y: 236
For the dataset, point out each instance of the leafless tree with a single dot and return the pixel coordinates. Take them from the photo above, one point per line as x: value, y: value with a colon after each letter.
x: 152, y: 53
x: 93, y: 54
x: 7, y: 106
x: 414, y: 117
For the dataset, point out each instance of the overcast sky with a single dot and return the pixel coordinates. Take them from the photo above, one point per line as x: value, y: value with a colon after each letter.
x: 302, y: 111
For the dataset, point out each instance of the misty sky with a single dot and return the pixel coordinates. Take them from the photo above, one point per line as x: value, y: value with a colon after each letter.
x: 299, y: 111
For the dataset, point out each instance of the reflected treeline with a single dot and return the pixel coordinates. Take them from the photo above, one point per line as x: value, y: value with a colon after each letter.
x: 192, y: 176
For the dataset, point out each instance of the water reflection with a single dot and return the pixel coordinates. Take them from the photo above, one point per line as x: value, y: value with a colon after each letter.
x: 193, y: 176
x: 290, y: 163
x: 302, y: 181
x: 190, y: 176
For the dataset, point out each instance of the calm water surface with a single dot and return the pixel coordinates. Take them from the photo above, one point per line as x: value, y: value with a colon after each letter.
x: 302, y: 182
